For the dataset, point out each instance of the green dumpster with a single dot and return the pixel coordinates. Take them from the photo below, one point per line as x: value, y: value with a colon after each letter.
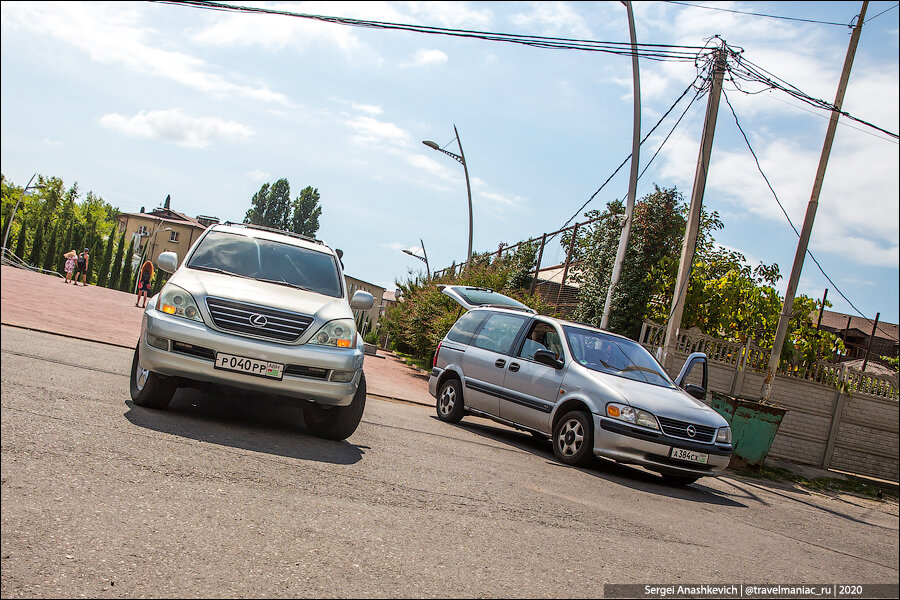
x: 753, y: 427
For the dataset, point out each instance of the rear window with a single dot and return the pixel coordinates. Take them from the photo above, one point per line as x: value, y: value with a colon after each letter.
x: 463, y: 330
x: 262, y: 259
x: 482, y: 296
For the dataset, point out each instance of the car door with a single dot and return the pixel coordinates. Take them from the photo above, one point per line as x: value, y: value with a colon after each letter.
x: 486, y: 358
x: 530, y: 388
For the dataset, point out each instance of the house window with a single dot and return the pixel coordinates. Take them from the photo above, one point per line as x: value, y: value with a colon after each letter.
x: 142, y: 230
x: 174, y: 237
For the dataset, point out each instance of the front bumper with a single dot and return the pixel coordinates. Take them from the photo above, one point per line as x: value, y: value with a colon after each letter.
x: 308, y: 369
x: 633, y: 445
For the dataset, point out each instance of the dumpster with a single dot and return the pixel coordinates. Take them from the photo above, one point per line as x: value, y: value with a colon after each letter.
x: 753, y: 427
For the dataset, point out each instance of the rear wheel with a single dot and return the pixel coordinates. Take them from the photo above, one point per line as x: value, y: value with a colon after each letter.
x: 147, y: 388
x: 450, y: 408
x: 336, y: 422
x: 573, y: 439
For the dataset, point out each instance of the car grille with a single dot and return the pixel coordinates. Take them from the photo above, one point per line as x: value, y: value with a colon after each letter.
x: 679, y: 429
x: 274, y: 324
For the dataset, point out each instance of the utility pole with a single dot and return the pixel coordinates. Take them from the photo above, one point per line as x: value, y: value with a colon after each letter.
x: 693, y: 223
x: 791, y: 291
x: 869, y: 345
x: 632, y: 182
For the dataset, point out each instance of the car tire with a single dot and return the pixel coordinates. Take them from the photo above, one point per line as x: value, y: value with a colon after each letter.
x: 449, y: 405
x: 149, y: 389
x: 336, y: 422
x: 678, y: 480
x: 573, y: 439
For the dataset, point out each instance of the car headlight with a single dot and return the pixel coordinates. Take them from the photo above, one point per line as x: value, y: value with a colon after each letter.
x: 723, y: 435
x: 340, y: 333
x: 632, y: 415
x: 175, y: 301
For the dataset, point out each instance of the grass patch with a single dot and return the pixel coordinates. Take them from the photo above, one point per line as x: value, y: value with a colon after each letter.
x: 412, y: 361
x: 852, y: 485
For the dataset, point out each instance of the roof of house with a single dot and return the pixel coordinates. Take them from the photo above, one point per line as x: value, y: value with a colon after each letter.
x: 169, y: 215
x: 838, y: 322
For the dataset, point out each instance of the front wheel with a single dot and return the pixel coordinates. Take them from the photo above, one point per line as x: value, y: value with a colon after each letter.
x: 147, y: 388
x: 336, y: 422
x: 573, y: 439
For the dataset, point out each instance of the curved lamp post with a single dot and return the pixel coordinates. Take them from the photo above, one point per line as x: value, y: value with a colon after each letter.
x: 21, y: 197
x: 422, y: 258
x: 461, y: 158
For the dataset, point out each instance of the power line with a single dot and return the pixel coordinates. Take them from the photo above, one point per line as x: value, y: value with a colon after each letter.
x: 741, y: 12
x: 881, y: 13
x: 786, y: 216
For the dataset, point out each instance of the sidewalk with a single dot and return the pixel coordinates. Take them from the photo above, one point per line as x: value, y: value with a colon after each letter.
x: 44, y: 303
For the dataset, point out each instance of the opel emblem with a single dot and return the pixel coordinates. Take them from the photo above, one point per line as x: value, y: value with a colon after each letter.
x: 691, y: 430
x: 258, y: 320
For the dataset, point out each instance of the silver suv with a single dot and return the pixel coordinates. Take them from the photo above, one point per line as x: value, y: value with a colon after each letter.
x: 257, y: 309
x: 590, y: 391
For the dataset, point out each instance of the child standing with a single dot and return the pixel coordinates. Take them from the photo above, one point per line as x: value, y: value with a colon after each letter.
x: 70, y: 263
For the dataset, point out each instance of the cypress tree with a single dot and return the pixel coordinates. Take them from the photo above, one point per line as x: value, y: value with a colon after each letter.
x: 37, y: 245
x: 20, y: 242
x: 117, y: 264
x: 92, y: 262
x: 125, y: 283
x: 52, y: 249
x: 103, y: 265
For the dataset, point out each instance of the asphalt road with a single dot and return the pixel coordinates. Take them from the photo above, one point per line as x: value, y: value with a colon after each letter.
x: 227, y: 496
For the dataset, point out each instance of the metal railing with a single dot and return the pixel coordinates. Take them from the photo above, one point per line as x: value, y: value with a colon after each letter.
x: 10, y: 259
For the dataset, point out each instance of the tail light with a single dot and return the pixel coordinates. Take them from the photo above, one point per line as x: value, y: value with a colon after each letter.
x: 436, y: 352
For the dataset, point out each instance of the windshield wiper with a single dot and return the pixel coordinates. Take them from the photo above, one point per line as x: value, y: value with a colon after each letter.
x: 217, y: 270
x: 286, y: 283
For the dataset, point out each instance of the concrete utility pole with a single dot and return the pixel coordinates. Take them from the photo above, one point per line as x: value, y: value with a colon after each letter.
x: 632, y: 182
x: 791, y: 291
x: 693, y: 222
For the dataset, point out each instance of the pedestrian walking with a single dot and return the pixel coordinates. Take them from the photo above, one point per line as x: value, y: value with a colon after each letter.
x: 70, y: 263
x: 145, y: 276
x: 81, y: 267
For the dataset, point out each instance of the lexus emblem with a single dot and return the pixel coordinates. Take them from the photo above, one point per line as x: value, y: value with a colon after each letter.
x: 691, y: 430
x: 258, y: 320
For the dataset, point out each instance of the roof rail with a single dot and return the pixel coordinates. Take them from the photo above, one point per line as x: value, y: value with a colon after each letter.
x: 527, y: 309
x: 275, y: 230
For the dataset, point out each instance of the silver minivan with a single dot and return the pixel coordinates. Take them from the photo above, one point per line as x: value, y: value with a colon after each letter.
x: 593, y: 393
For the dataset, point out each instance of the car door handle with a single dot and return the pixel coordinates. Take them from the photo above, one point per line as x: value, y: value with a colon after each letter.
x: 514, y: 367
x: 500, y: 363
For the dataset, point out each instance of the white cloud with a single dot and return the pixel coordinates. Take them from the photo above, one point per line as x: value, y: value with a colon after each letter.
x: 552, y: 19
x: 426, y: 58
x: 259, y: 176
x: 116, y: 37
x: 174, y: 126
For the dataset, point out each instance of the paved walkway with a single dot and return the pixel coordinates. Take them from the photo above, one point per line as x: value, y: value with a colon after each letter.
x: 45, y: 303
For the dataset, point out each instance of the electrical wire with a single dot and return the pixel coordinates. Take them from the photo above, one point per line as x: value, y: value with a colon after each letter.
x: 869, y: 20
x: 741, y: 12
x: 786, y: 216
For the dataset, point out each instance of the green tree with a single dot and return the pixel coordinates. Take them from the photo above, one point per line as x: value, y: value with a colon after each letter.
x: 116, y: 272
x: 306, y: 212
x: 52, y: 251
x: 37, y: 245
x: 125, y: 283
x: 104, y: 262
x: 67, y: 245
x: 20, y: 241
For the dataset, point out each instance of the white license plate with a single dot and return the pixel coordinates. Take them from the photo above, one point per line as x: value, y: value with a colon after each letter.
x: 250, y: 366
x: 689, y: 455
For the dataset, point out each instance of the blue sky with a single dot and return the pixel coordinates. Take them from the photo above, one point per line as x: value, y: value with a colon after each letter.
x: 136, y: 101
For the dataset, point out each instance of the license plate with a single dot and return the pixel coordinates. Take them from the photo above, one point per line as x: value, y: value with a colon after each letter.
x: 249, y: 366
x: 689, y: 455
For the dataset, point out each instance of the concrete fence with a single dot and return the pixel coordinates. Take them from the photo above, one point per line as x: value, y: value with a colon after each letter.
x: 837, y: 417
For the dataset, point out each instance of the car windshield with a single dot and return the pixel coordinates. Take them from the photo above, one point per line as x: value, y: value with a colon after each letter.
x: 610, y: 354
x: 266, y: 260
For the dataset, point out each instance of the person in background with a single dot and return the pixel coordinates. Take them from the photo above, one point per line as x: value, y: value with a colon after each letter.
x: 145, y: 276
x: 81, y: 267
x: 70, y: 264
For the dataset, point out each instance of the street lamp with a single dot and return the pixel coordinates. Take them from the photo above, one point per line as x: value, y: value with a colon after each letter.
x: 13, y: 215
x: 422, y: 258
x: 461, y: 158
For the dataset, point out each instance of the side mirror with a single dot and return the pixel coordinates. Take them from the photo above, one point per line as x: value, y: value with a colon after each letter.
x: 545, y: 357
x: 695, y: 360
x: 362, y: 301
x: 167, y: 261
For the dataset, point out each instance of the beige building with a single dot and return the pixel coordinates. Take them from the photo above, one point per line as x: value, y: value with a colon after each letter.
x: 354, y: 284
x: 162, y: 230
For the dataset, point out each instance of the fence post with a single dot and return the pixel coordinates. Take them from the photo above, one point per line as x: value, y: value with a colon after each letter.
x: 836, y: 412
x: 566, y: 267
x: 537, y: 269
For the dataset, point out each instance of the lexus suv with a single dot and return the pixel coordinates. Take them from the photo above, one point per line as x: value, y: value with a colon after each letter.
x: 262, y: 310
x: 593, y: 393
